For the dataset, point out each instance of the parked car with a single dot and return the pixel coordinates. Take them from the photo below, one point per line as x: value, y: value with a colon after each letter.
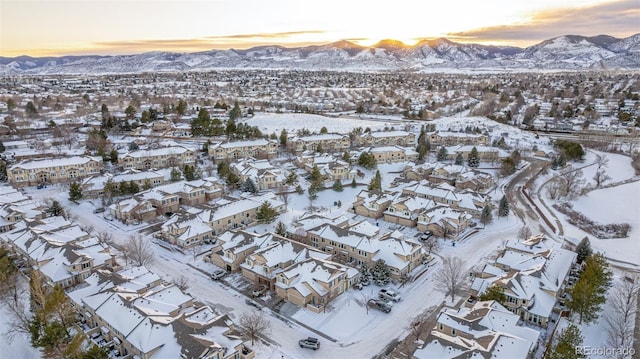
x: 388, y: 294
x: 98, y: 210
x: 426, y: 235
x: 217, y: 274
x: 252, y: 303
x: 310, y: 343
x: 41, y: 185
x: 259, y: 291
x: 380, y: 305
x: 358, y: 286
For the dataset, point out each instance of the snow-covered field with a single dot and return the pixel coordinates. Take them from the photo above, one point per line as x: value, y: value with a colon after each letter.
x: 274, y: 122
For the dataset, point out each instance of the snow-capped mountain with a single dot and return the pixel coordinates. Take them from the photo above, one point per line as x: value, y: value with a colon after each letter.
x: 564, y: 52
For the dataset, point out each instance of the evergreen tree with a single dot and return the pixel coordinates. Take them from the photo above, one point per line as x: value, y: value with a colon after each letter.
x: 11, y: 105
x: 31, y: 110
x: 55, y: 209
x: 189, y: 172
x: 583, y: 249
x: 2, y: 149
x: 75, y: 191
x: 133, y: 187
x: 474, y: 160
x: 299, y: 189
x: 223, y: 169
x: 232, y: 179
x: 235, y: 112
x: 249, y: 186
x: 508, y: 167
x: 376, y: 182
x: 316, y: 178
x: 365, y: 272
x: 113, y: 156
x: 588, y: 294
x: 337, y: 186
x: 291, y: 178
x: 485, y: 216
x: 281, y: 229
x: 133, y: 146
x: 346, y: 157
x: 146, y: 185
x: 367, y: 160
x: 175, y: 175
x: 380, y: 273
x: 266, y: 213
x: 231, y: 129
x: 323, y: 130
x: 567, y: 343
x: 422, y: 151
x: 130, y: 111
x: 283, y: 137
x: 182, y: 107
x: 494, y: 292
x: 503, y: 208
x: 201, y: 125
x: 459, y: 159
x: 123, y: 188
x: 354, y: 184
x: 442, y: 154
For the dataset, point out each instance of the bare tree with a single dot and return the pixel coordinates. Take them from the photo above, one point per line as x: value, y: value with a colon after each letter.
x: 619, y: 319
x: 553, y: 189
x: 138, y: 250
x: 432, y: 244
x: 255, y: 324
x: 365, y: 297
x: 571, y: 183
x: 194, y: 251
x: 105, y: 238
x: 601, y: 175
x: 418, y: 326
x: 452, y: 276
x: 181, y: 282
x: 284, y: 196
x: 524, y: 232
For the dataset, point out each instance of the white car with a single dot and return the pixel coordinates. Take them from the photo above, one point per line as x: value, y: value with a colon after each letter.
x: 388, y: 294
x: 217, y: 274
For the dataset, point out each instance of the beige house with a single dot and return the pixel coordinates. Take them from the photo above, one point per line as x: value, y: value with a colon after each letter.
x: 331, y: 168
x: 93, y: 187
x: 136, y: 313
x: 241, y: 213
x: 485, y: 153
x: 261, y: 172
x: 259, y: 148
x: 372, y: 204
x: 187, y: 230
x: 329, y: 142
x: 457, y: 138
x: 443, y: 221
x: 466, y: 200
x: 132, y: 210
x: 405, y: 210
x: 479, y: 330
x: 362, y: 243
x: 262, y: 266
x: 59, y: 170
x: 313, y: 283
x: 388, y: 138
x: 234, y: 246
x: 534, y: 274
x: 165, y: 157
x: 393, y: 154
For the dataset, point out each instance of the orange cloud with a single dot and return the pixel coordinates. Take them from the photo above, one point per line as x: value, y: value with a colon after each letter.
x: 618, y: 18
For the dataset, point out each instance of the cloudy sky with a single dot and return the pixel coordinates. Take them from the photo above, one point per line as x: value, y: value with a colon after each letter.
x: 54, y: 27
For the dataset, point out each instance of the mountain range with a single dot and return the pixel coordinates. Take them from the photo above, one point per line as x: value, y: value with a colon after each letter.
x: 568, y: 52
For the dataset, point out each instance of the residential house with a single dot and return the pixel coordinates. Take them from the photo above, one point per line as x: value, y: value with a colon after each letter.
x: 261, y: 172
x: 238, y: 214
x: 388, y: 138
x: 259, y: 148
x: 405, y: 210
x: 328, y: 142
x: 164, y: 157
x: 313, y: 283
x: 372, y: 203
x: 93, y: 187
x: 479, y: 330
x: 443, y: 221
x: 437, y: 139
x: 534, y: 274
x: 187, y: 229
x: 60, y: 170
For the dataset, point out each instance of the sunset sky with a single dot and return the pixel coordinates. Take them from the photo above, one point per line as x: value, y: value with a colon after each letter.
x: 72, y: 27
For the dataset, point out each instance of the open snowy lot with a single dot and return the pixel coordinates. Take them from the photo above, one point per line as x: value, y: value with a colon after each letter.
x: 274, y: 122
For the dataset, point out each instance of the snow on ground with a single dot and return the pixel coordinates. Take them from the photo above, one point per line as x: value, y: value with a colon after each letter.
x: 292, y: 122
x: 20, y: 347
x: 619, y: 167
x: 620, y: 204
